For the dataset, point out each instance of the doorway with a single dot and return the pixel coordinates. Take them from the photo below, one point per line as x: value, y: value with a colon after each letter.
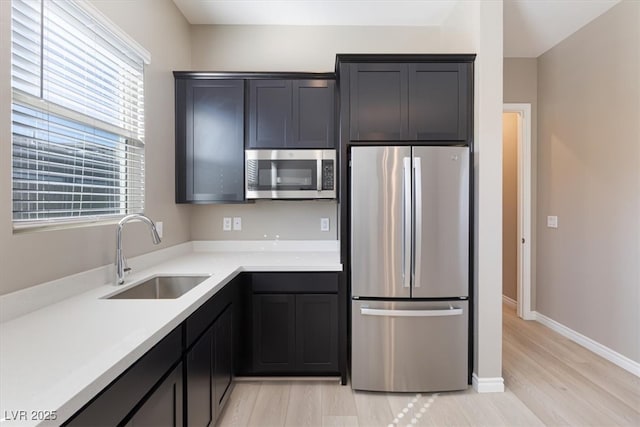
x: 517, y: 208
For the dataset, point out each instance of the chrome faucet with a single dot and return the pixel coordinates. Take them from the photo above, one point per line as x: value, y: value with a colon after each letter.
x: 121, y: 264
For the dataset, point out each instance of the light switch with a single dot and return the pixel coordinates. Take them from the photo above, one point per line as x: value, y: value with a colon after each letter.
x: 324, y: 224
x: 159, y: 228
x: 552, y: 221
x: 237, y: 223
x: 226, y: 223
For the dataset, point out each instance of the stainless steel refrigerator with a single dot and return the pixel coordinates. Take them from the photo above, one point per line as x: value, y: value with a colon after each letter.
x: 409, y: 268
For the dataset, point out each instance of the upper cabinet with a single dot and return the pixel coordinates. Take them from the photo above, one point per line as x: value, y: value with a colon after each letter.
x: 291, y: 113
x: 209, y: 140
x: 379, y: 102
x: 410, y: 101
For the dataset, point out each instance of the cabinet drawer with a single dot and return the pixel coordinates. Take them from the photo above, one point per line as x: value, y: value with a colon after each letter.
x: 292, y: 283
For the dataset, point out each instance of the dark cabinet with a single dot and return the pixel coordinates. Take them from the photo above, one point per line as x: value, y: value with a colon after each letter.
x: 209, y: 140
x: 291, y: 113
x: 294, y: 331
x: 209, y: 371
x: 438, y: 101
x: 420, y: 101
x: 379, y: 103
x: 200, y: 410
x: 223, y: 359
x: 317, y: 333
x: 313, y: 114
x: 269, y: 113
x: 274, y: 336
x: 164, y: 406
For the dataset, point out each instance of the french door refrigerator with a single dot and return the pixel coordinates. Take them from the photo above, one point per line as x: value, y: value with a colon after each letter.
x: 409, y: 268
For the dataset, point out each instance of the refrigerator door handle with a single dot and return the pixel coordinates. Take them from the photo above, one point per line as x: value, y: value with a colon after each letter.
x: 406, y: 223
x: 417, y: 248
x: 451, y: 311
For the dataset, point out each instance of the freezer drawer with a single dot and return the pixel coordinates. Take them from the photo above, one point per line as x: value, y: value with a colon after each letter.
x: 409, y: 346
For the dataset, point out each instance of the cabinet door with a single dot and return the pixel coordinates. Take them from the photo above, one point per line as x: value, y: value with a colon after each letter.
x: 313, y: 114
x: 273, y: 333
x: 378, y: 97
x: 269, y: 113
x: 200, y: 409
x: 317, y: 333
x: 223, y: 351
x: 209, y: 140
x: 438, y: 101
x: 164, y: 406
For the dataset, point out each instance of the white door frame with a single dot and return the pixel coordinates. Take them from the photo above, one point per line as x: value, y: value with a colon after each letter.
x: 525, y: 235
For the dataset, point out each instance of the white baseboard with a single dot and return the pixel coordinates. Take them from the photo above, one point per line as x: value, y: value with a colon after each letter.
x: 487, y: 385
x: 594, y: 346
x: 509, y: 301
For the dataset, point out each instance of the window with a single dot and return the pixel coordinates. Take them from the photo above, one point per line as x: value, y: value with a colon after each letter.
x: 77, y: 115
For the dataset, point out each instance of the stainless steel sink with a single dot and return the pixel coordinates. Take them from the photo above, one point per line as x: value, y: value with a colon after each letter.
x: 161, y: 287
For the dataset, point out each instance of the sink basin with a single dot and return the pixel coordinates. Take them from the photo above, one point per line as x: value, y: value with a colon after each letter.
x: 161, y: 287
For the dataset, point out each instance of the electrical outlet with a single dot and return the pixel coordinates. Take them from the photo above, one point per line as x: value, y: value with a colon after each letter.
x: 226, y: 223
x: 237, y: 223
x: 324, y: 224
x: 552, y: 221
x: 159, y: 228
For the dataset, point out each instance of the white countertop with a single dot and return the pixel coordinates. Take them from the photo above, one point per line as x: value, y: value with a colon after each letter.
x: 58, y: 357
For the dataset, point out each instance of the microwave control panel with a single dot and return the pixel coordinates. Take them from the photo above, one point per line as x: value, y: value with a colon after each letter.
x: 327, y: 174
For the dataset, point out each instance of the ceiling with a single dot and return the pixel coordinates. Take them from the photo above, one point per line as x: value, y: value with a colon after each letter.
x: 531, y: 27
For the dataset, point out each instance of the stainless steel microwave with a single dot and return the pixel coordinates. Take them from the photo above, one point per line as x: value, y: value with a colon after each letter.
x: 290, y: 174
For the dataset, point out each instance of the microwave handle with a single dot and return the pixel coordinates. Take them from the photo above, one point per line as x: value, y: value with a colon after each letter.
x: 319, y: 174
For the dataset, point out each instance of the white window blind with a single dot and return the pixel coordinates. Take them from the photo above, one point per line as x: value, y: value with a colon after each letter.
x: 77, y: 115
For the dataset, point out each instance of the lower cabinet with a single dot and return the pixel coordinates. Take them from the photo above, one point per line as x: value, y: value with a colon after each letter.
x: 317, y: 333
x: 184, y: 380
x: 223, y: 353
x: 274, y: 333
x: 164, y: 406
x: 199, y: 372
x: 257, y: 324
x: 209, y: 371
x: 294, y: 333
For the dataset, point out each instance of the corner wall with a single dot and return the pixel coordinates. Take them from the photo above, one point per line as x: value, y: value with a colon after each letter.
x: 588, y: 269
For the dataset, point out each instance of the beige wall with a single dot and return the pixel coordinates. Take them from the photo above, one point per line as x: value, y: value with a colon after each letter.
x: 588, y: 269
x: 27, y: 259
x: 266, y: 220
x: 510, y: 204
x: 298, y: 48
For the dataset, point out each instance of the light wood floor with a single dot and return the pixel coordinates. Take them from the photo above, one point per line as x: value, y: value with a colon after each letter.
x: 549, y: 381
